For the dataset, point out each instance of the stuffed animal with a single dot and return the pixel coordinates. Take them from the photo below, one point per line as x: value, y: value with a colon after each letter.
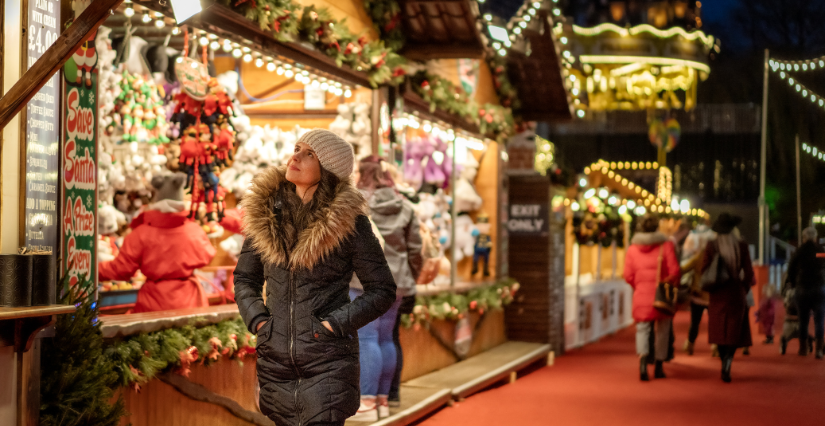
x: 464, y: 237
x: 466, y: 197
x: 483, y: 245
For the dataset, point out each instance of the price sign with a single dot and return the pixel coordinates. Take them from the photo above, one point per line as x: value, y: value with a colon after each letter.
x: 42, y: 134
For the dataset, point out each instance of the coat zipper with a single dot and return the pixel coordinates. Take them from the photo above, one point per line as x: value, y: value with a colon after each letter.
x: 292, y: 292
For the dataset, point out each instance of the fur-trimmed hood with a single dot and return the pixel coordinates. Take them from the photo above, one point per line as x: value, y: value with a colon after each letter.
x: 320, y: 237
x: 652, y: 239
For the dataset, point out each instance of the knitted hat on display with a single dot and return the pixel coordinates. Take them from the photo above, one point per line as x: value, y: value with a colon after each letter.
x: 334, y: 153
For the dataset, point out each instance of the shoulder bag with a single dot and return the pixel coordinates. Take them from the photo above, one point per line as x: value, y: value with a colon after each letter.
x: 716, y: 275
x: 666, y: 294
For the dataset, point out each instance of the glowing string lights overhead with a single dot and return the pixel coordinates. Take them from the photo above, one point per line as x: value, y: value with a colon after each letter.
x: 796, y: 66
x: 799, y: 87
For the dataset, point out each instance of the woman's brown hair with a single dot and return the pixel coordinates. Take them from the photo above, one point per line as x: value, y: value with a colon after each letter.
x: 648, y: 223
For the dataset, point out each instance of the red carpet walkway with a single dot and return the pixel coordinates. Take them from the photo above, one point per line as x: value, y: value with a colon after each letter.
x: 599, y: 385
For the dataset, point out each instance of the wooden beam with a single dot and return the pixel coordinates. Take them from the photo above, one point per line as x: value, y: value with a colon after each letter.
x: 63, y: 48
x: 425, y: 52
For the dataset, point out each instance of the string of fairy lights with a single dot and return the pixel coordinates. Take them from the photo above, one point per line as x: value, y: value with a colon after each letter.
x: 216, y: 43
x: 783, y: 68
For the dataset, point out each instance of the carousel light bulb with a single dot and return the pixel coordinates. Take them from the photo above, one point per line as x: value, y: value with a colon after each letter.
x: 622, y: 209
x: 496, y: 45
x: 517, y: 30
x: 488, y: 17
x: 796, y: 67
x: 556, y: 12
x: 129, y: 12
x: 805, y: 93
x: 563, y: 40
x: 640, y: 211
x: 315, y: 84
x: 271, y: 66
x: 288, y: 73
x: 603, y: 193
x: 348, y: 93
x: 612, y: 200
x: 236, y: 53
x: 684, y: 206
x: 527, y: 18
x: 537, y: 4
x: 580, y: 113
x: 782, y: 75
x: 259, y: 62
x: 247, y: 57
x: 522, y: 24
x: 804, y: 67
x: 214, y: 45
x: 203, y: 41
x: 146, y: 18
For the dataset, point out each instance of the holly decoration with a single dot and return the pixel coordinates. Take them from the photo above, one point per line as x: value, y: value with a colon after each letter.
x: 386, y: 17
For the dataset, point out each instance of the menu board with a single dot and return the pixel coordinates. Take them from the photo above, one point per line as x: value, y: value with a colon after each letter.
x: 79, y: 155
x: 42, y: 134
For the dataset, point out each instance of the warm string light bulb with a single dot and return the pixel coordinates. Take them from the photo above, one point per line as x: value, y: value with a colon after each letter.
x: 129, y: 12
x: 146, y: 18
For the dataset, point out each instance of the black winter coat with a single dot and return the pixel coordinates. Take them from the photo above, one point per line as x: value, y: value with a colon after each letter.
x: 309, y: 375
x: 806, y: 272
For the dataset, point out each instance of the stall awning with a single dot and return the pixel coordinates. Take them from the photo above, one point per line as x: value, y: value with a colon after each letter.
x: 439, y: 29
x: 538, y: 77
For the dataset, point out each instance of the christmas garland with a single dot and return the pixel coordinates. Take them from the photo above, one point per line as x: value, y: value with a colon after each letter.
x: 494, y: 121
x: 138, y: 359
x: 386, y: 17
x: 288, y: 22
x: 452, y: 306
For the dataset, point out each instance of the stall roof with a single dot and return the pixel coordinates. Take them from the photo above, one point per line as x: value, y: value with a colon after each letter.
x: 439, y: 29
x: 538, y: 77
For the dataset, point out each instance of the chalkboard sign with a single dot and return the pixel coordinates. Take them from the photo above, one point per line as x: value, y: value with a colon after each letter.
x: 42, y: 133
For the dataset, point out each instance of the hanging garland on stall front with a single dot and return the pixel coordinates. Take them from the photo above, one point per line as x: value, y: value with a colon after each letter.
x: 449, y: 306
x: 138, y: 359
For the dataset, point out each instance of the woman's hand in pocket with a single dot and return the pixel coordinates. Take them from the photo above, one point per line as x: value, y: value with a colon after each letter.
x: 327, y: 326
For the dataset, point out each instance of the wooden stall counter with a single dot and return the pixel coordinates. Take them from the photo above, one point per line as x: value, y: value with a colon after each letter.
x: 127, y: 325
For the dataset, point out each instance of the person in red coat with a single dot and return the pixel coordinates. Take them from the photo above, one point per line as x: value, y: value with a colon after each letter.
x: 167, y: 248
x: 728, y: 323
x: 649, y: 254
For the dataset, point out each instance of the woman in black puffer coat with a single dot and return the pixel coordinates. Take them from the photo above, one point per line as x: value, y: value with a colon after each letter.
x: 306, y: 235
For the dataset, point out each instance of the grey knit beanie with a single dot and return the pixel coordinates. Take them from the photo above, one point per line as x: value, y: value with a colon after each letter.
x: 334, y: 153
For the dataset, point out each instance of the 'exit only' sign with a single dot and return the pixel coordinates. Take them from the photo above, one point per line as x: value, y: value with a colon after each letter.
x: 527, y: 219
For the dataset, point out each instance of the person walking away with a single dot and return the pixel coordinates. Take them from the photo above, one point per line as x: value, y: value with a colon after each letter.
x: 805, y: 273
x: 766, y: 314
x: 306, y: 234
x: 790, y: 327
x: 396, y: 221
x: 693, y: 253
x: 650, y: 259
x: 728, y: 321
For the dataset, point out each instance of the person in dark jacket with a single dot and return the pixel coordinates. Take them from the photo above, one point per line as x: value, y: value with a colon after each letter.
x: 397, y: 223
x: 306, y: 233
x: 805, y: 276
x: 728, y: 322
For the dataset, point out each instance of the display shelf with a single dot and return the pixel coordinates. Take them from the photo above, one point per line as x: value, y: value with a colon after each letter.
x: 416, y: 103
x: 34, y: 311
x: 126, y: 325
x: 460, y: 287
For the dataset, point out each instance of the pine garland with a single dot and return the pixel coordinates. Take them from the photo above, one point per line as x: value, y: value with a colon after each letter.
x: 77, y: 379
x: 138, y: 359
x: 450, y: 306
x: 386, y: 17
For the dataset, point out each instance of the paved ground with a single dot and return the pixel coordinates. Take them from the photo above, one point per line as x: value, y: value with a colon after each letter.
x: 599, y: 385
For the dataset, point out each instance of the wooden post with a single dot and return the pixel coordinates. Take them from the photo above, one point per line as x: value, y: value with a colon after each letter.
x: 63, y: 48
